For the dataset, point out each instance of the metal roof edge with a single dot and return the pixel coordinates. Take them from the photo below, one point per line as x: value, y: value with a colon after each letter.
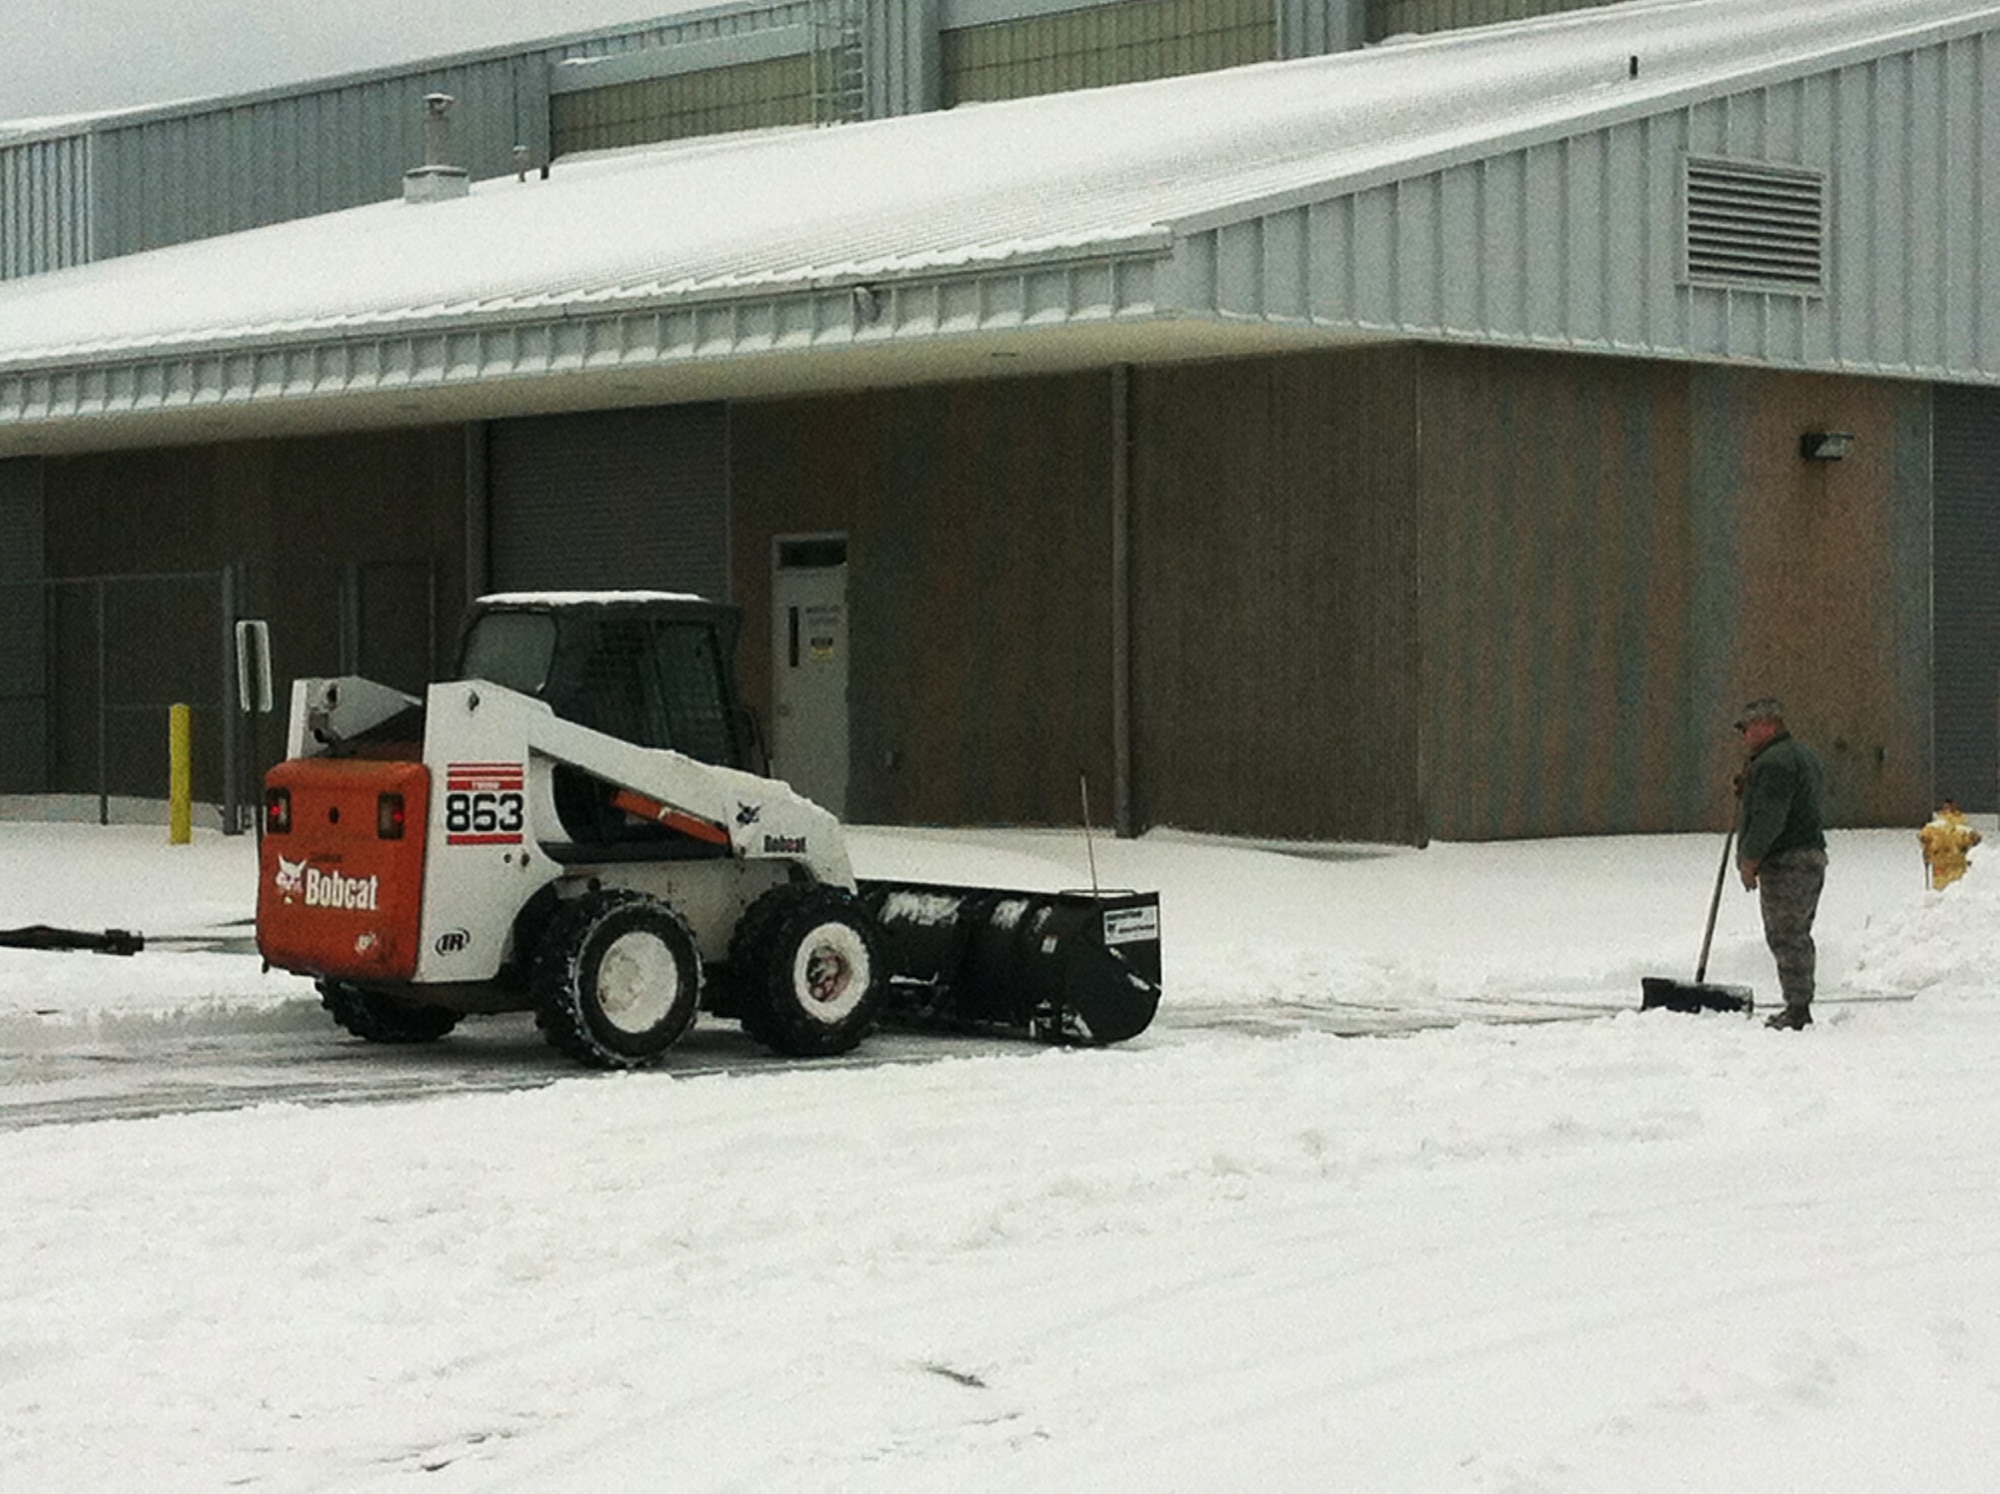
x: 1147, y: 244
x: 586, y: 336
x: 1425, y: 162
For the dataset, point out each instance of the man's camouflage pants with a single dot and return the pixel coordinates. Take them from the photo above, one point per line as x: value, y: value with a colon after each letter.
x: 1788, y: 888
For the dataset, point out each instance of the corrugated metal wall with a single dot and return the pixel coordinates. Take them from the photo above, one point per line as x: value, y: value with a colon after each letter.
x: 1394, y: 17
x: 978, y: 542
x: 1275, y: 652
x: 1578, y: 242
x: 899, y: 51
x: 1089, y: 48
x: 45, y: 197
x: 1966, y: 597
x: 752, y: 95
x: 171, y: 179
x: 1618, y: 554
x: 191, y: 172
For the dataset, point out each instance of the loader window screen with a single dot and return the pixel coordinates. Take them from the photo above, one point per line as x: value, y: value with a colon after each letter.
x: 652, y: 682
x: 513, y: 649
x: 690, y: 673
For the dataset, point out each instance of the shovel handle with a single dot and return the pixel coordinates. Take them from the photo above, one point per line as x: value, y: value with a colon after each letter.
x: 1714, y: 903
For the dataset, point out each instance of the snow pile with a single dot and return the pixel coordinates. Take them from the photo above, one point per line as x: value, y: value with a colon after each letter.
x: 1948, y: 945
x: 1607, y: 1252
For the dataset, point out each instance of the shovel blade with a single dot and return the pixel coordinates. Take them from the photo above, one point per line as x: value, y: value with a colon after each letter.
x: 1687, y: 996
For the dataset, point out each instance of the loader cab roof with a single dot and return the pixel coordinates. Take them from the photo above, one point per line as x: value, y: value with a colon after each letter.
x: 653, y: 668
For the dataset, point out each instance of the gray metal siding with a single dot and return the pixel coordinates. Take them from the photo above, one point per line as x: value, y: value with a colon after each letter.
x: 45, y: 205
x: 186, y: 172
x: 1309, y: 28
x: 1579, y: 242
x: 1965, y: 600
x: 900, y: 56
x: 169, y: 180
x: 614, y: 498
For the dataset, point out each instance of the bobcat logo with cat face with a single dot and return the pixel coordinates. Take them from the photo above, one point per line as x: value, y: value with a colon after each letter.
x: 291, y: 877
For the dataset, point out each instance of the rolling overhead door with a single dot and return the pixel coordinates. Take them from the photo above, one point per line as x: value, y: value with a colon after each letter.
x: 23, y: 639
x: 1965, y: 674
x: 612, y: 499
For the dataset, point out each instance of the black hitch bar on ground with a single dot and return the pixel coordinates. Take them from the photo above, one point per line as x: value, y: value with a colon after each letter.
x: 43, y: 936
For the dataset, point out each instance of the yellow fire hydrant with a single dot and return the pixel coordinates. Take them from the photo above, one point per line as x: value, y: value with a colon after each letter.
x: 1946, y: 841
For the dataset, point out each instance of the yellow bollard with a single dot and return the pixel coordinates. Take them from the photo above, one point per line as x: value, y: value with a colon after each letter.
x: 180, y: 775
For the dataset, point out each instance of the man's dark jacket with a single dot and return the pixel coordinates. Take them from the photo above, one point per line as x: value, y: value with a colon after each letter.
x: 1783, y: 799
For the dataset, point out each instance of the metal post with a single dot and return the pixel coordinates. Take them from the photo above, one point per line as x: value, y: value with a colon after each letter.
x: 232, y: 767
x: 1121, y: 602
x: 103, y: 715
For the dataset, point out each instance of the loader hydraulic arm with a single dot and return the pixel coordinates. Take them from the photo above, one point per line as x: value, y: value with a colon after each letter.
x: 477, y: 721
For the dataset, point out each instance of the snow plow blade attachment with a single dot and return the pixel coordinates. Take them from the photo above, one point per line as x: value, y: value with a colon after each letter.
x: 1077, y: 968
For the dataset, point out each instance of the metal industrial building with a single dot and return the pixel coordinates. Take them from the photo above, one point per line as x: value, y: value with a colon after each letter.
x: 1435, y: 439
x: 76, y: 190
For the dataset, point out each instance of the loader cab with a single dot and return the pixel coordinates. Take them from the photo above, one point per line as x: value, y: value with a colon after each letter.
x: 651, y: 668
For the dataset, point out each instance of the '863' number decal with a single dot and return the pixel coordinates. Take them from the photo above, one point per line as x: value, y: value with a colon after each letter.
x: 485, y: 804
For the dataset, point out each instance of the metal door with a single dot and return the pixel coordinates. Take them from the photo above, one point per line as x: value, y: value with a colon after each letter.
x: 809, y: 659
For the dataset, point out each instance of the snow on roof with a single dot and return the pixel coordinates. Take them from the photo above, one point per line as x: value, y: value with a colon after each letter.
x: 1094, y: 173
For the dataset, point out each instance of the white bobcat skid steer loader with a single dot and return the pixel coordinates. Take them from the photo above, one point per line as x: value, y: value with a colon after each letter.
x: 569, y: 828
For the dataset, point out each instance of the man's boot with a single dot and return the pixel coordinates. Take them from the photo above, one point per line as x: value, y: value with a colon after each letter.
x: 1791, y: 1019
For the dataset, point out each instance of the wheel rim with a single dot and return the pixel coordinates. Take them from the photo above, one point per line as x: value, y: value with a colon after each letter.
x: 637, y: 982
x: 831, y: 972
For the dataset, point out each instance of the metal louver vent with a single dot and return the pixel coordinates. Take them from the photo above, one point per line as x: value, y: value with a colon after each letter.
x: 1755, y: 226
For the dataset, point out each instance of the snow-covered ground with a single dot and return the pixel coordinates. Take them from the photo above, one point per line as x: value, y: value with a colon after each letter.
x: 1559, y: 1245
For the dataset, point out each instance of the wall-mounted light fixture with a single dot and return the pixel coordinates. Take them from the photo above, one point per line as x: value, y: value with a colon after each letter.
x: 1825, y: 446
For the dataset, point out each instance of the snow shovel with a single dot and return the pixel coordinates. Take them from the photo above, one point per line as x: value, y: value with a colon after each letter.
x: 1683, y: 996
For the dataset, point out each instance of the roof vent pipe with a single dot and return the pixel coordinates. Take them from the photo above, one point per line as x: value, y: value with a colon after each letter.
x: 435, y: 180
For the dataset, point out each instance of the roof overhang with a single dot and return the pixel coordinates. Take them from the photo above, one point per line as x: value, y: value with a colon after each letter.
x: 1050, y: 317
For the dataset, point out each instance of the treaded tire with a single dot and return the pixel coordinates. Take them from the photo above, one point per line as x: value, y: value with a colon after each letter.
x: 381, y: 1018
x: 809, y: 971
x: 616, y: 980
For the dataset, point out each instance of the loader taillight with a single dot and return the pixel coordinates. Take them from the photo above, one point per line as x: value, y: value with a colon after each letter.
x: 278, y: 811
x: 390, y: 816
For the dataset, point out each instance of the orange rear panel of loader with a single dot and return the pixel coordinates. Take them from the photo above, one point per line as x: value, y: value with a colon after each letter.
x: 340, y: 887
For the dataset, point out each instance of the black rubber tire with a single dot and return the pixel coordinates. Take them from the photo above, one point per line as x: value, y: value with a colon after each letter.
x: 809, y: 970
x: 382, y: 1018
x: 617, y: 979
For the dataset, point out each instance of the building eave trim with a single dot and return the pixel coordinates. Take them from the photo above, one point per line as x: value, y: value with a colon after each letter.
x: 444, y: 352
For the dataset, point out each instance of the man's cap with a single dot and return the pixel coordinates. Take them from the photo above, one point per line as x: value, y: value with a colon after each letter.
x: 1763, y: 708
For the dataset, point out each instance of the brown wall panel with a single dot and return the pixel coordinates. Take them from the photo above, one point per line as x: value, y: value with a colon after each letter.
x: 1618, y: 554
x: 1826, y: 601
x: 1275, y: 646
x: 1555, y: 594
x: 978, y: 533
